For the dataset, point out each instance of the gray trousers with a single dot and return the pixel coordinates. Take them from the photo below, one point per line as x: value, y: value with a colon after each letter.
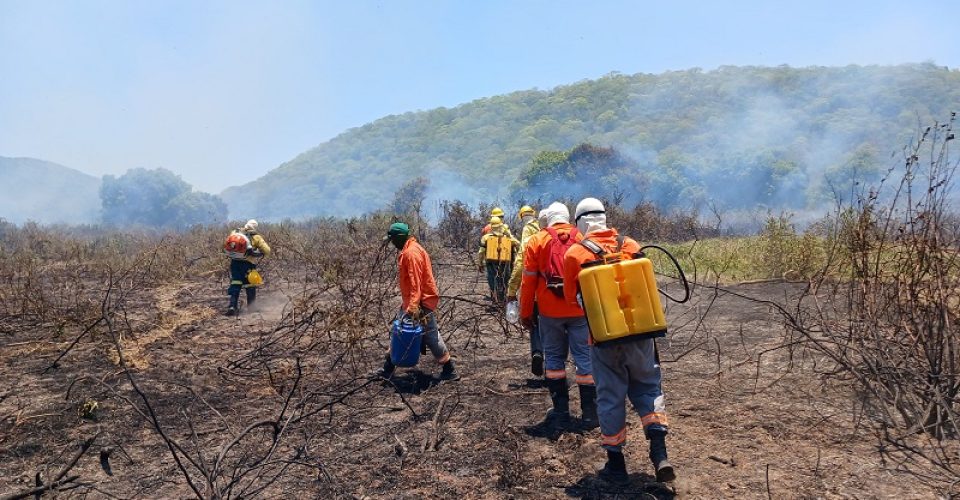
x: 560, y: 335
x: 431, y: 337
x: 627, y: 369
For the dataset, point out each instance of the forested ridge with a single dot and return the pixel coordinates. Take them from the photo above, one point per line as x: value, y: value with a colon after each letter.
x: 47, y: 192
x: 733, y: 136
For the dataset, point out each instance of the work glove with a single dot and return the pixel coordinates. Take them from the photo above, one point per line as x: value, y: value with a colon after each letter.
x: 414, y: 312
x: 511, y: 298
x: 527, y: 322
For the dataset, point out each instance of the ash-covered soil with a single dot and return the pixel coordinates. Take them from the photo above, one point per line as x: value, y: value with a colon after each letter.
x: 747, y: 420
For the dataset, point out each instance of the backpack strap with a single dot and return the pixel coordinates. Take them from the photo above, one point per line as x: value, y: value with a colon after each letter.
x: 597, y: 250
x: 593, y: 247
x: 555, y: 235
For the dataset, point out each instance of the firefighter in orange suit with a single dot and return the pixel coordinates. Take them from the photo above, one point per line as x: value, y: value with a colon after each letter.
x: 420, y: 296
x: 627, y: 367
x: 563, y: 326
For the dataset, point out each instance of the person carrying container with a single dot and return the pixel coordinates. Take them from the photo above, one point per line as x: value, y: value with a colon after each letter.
x: 420, y: 297
x: 497, y: 249
x: 625, y: 367
x: 527, y: 216
x: 245, y: 247
x: 563, y: 326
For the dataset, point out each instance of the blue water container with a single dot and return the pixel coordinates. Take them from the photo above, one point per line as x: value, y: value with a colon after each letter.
x: 405, y: 342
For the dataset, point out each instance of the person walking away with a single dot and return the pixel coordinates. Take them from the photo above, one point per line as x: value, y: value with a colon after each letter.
x: 531, y: 227
x: 563, y: 326
x: 496, y: 212
x: 496, y: 254
x: 626, y: 367
x: 246, y: 247
x: 420, y: 298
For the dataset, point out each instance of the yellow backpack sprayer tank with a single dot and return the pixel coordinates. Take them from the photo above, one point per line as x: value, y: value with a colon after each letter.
x: 499, y: 248
x: 620, y: 296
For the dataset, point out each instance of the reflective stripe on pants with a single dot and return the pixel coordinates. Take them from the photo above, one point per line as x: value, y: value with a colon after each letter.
x: 614, y: 441
x: 239, y: 268
x: 585, y: 379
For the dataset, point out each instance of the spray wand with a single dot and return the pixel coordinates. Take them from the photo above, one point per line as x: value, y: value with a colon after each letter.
x: 683, y: 277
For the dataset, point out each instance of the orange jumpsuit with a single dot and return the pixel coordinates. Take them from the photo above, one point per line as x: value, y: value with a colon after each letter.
x: 563, y: 326
x: 417, y: 287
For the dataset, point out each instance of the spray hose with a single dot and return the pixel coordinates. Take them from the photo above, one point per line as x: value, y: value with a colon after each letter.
x: 683, y: 277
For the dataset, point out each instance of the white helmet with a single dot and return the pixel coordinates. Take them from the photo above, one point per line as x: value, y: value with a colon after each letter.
x: 588, y: 206
x: 251, y: 225
x: 557, y: 212
x: 590, y: 216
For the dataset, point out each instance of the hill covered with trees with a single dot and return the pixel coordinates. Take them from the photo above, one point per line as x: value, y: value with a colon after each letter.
x: 157, y: 198
x: 47, y: 192
x: 734, y: 136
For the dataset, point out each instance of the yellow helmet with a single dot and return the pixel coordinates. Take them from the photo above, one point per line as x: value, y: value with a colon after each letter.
x: 495, y: 221
x: 497, y: 212
x: 526, y: 210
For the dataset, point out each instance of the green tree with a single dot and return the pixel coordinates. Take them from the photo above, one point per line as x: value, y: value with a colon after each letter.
x: 157, y: 198
x: 408, y: 199
x: 585, y: 170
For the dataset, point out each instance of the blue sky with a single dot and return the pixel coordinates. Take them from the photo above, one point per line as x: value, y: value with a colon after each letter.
x: 220, y: 92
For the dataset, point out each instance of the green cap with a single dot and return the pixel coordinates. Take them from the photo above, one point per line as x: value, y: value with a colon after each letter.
x: 398, y: 229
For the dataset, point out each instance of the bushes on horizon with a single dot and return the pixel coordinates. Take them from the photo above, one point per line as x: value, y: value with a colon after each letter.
x: 157, y: 198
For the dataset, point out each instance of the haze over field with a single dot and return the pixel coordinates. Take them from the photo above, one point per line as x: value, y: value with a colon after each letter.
x: 222, y: 92
x: 737, y: 138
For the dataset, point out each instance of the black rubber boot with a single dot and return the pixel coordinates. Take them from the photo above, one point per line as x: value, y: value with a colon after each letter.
x: 559, y: 416
x: 251, y: 296
x: 536, y: 363
x: 388, y: 368
x: 449, y: 372
x: 233, y: 308
x: 658, y: 455
x: 615, y: 470
x: 588, y: 407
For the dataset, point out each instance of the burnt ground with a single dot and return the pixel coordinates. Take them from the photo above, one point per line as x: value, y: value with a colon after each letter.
x: 747, y: 420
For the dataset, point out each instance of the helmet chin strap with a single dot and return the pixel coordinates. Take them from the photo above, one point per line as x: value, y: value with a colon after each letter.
x: 591, y: 221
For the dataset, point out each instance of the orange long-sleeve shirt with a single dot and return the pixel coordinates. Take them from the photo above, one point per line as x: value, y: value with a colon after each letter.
x: 417, y: 285
x: 536, y: 258
x: 578, y: 254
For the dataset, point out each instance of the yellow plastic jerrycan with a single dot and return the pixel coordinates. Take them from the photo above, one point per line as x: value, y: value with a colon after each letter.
x: 499, y: 248
x: 621, y: 300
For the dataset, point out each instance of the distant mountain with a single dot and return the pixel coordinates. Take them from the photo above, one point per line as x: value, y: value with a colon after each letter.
x: 48, y: 193
x: 795, y: 129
